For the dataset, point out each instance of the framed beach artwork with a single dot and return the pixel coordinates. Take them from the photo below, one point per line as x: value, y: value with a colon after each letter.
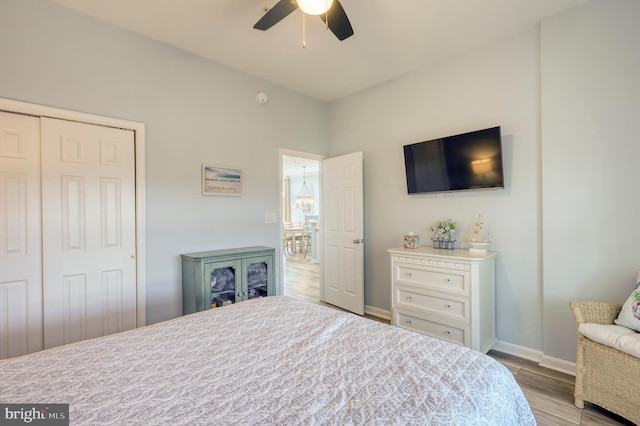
x: 218, y: 180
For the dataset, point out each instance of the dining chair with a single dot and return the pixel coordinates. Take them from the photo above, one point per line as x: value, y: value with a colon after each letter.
x: 306, y: 234
x: 288, y: 237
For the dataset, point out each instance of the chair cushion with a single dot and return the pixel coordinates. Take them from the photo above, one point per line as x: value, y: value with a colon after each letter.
x: 630, y: 314
x: 614, y: 336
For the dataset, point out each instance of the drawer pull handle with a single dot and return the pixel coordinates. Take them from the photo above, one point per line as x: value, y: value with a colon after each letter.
x: 408, y: 297
x: 448, y: 280
x: 447, y: 332
x: 408, y: 321
x: 448, y: 306
x: 409, y: 274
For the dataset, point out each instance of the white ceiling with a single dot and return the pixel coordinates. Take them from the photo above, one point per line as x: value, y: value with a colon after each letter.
x: 298, y: 167
x: 392, y: 37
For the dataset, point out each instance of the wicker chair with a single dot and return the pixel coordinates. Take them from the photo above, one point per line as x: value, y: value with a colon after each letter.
x: 605, y: 376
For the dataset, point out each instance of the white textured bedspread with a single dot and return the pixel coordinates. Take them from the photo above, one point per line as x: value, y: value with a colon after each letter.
x: 274, y: 361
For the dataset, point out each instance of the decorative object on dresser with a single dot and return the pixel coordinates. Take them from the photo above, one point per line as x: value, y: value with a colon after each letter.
x: 479, y: 238
x: 217, y: 278
x: 449, y: 295
x: 411, y: 241
x: 443, y: 235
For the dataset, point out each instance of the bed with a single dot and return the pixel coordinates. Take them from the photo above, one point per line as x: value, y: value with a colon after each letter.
x: 273, y: 360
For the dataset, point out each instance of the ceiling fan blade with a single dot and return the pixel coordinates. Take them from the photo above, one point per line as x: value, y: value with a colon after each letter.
x: 338, y: 21
x: 274, y: 15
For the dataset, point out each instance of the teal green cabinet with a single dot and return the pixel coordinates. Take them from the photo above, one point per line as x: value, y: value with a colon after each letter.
x: 217, y: 278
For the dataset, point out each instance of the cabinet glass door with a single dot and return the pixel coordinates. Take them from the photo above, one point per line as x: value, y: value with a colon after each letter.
x: 258, y: 270
x: 223, y: 278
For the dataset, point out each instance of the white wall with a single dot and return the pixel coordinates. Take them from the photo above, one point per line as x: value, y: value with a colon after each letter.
x: 494, y: 85
x: 195, y: 111
x: 568, y: 99
x: 590, y: 151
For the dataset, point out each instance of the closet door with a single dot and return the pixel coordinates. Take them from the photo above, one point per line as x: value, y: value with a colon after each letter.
x: 20, y: 248
x: 88, y: 196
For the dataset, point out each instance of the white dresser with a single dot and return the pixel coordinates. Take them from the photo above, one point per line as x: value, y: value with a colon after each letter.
x: 447, y: 294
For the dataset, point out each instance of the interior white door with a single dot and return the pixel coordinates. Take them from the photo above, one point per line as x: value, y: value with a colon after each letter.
x: 343, y: 235
x: 88, y: 194
x: 20, y: 248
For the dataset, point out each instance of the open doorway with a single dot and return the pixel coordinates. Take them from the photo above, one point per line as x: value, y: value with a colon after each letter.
x: 301, y: 235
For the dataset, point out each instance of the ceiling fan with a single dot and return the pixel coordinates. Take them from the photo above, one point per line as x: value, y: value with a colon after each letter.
x: 331, y: 12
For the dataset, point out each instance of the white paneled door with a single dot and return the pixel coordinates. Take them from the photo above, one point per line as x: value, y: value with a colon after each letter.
x: 88, y: 227
x: 343, y: 235
x: 20, y: 248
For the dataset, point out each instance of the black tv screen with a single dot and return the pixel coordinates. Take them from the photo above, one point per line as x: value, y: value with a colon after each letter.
x: 455, y: 163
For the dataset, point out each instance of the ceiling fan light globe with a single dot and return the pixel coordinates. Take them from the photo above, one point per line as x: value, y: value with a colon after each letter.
x: 314, y: 7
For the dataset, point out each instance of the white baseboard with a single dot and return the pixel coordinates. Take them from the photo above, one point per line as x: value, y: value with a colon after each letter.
x: 519, y: 351
x: 377, y: 312
x: 558, y: 364
x: 539, y: 357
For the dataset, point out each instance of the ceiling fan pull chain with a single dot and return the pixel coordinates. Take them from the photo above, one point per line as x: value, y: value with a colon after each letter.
x: 304, y: 41
x: 326, y: 15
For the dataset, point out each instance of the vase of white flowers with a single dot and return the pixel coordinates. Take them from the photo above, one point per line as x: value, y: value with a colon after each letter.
x: 443, y: 235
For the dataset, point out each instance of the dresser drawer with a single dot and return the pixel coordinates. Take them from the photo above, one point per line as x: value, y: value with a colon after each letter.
x: 424, y: 325
x: 438, y: 279
x: 409, y: 298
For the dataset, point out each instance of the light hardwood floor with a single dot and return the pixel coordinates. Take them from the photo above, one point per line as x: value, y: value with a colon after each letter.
x: 550, y: 393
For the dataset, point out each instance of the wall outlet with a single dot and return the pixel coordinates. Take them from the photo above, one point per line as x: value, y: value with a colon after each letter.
x: 270, y: 218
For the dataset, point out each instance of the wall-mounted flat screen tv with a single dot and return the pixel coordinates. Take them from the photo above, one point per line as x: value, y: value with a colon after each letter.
x: 462, y: 162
